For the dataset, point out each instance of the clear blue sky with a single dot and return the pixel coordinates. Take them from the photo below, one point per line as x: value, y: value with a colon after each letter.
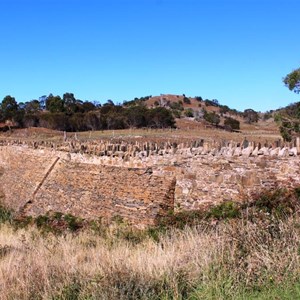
x: 236, y: 51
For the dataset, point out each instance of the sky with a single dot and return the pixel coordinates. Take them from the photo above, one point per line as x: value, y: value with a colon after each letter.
x: 235, y: 51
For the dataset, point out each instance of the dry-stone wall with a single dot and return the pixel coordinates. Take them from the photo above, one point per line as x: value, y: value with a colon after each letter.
x: 208, y: 181
x: 39, y: 181
x: 140, y: 181
x: 93, y: 191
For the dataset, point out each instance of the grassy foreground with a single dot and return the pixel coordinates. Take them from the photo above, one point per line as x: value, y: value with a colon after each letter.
x: 252, y: 254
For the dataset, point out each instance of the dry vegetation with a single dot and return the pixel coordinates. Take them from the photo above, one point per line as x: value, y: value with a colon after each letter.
x: 186, y: 130
x: 254, y: 256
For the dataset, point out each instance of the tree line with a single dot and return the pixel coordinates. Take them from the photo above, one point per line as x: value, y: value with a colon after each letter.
x: 70, y: 114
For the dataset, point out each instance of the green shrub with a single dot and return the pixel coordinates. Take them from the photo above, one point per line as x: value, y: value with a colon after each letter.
x: 286, y: 133
x: 22, y: 221
x: 181, y: 219
x: 70, y: 291
x: 211, y: 117
x: 6, y: 215
x: 176, y: 113
x: 189, y: 113
x: 42, y: 221
x: 225, y: 210
x: 176, y: 105
x: 279, y: 203
x: 73, y: 223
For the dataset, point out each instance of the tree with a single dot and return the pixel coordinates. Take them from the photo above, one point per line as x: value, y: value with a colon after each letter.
x: 88, y: 106
x: 136, y: 116
x: 42, y: 101
x: 160, y: 117
x: 70, y: 103
x: 250, y: 116
x: 292, y: 81
x: 213, y: 102
x: 55, y: 104
x: 289, y: 119
x: 224, y: 109
x: 92, y: 120
x: 9, y: 108
x: 286, y: 131
x: 32, y: 107
x: 109, y: 102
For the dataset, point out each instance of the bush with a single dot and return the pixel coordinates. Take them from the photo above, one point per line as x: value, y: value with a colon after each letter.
x: 160, y: 117
x: 267, y: 116
x: 189, y: 113
x: 225, y: 210
x: 213, y: 102
x: 73, y: 223
x: 212, y: 117
x: 279, y: 203
x: 232, y: 123
x: 6, y: 215
x: 286, y: 133
x: 176, y: 114
x: 186, y: 100
x: 224, y: 109
x: 176, y: 105
x: 250, y: 116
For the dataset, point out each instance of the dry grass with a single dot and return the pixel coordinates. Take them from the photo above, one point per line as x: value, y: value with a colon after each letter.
x: 214, y: 262
x: 187, y: 130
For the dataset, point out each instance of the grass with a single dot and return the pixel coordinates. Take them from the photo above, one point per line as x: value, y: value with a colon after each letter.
x: 230, y: 252
x: 187, y: 130
x: 232, y: 260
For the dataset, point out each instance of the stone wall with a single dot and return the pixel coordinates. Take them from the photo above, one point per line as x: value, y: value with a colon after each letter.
x: 23, y: 170
x: 209, y: 181
x: 141, y: 184
x: 126, y: 149
x: 93, y: 191
x: 39, y: 181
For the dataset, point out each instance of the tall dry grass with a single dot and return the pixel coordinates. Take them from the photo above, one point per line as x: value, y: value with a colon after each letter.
x: 207, y: 262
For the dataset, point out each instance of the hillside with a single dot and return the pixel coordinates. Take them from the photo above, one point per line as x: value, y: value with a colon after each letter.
x: 193, y: 116
x: 189, y: 113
